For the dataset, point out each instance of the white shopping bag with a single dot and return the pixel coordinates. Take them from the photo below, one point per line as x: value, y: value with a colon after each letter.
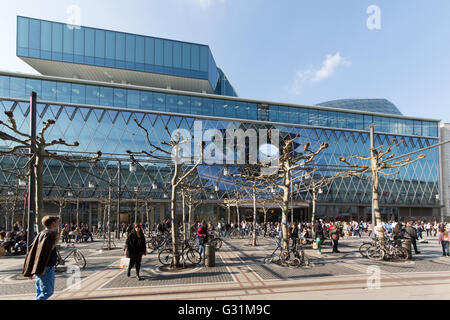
x: 124, y: 262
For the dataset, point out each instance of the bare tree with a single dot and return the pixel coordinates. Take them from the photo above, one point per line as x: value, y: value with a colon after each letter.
x: 171, y: 151
x: 39, y: 147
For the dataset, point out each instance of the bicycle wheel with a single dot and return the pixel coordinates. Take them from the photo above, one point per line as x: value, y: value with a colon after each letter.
x: 284, y: 259
x: 400, y: 254
x: 375, y: 253
x: 218, y: 243
x: 79, y: 259
x: 294, y: 262
x: 193, y: 256
x: 165, y: 256
x: 363, y: 249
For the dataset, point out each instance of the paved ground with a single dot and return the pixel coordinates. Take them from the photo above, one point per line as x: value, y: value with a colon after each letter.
x: 240, y: 274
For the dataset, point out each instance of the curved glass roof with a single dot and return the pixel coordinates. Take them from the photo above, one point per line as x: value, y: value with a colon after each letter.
x: 370, y: 105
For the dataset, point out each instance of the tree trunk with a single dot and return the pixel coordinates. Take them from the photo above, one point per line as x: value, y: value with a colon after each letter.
x: 147, y: 211
x: 229, y: 213
x: 376, y: 207
x: 78, y: 210
x: 183, y: 203
x: 254, y: 219
x: 284, y: 213
x: 314, y: 206
x: 173, y: 204
x: 190, y: 218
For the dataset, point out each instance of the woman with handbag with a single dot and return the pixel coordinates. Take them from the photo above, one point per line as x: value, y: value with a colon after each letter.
x: 134, y: 249
x: 202, y: 237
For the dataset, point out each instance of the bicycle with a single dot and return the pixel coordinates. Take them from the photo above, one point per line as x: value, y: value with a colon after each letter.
x: 165, y: 256
x: 284, y: 258
x: 77, y: 255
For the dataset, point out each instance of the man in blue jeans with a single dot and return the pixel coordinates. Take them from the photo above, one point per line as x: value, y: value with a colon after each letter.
x: 41, y: 258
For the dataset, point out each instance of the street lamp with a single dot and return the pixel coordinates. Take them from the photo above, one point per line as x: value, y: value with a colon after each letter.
x: 132, y: 167
x: 154, y: 186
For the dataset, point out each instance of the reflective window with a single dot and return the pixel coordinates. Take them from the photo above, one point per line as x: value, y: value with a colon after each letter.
x: 4, y: 86
x: 106, y: 96
x: 207, y: 107
x: 146, y: 100
x: 252, y: 110
x: 22, y: 35
x: 35, y: 38
x: 49, y: 90
x: 167, y: 53
x: 89, y: 45
x: 186, y: 56
x: 93, y: 95
x: 33, y: 85
x: 195, y: 58
x: 100, y: 39
x: 196, y: 105
x: 130, y: 48
x: 46, y: 40
x: 120, y: 46
x: 203, y: 59
x: 171, y: 103
x: 183, y: 104
x: 57, y: 39
x: 133, y: 99
x: 149, y: 51
x: 159, y: 52
x: 63, y: 91
x: 177, y: 51
x: 219, y: 108
x: 17, y: 87
x: 79, y: 45
x: 78, y: 93
x: 120, y: 98
x: 68, y: 39
x: 159, y: 101
x: 140, y: 50
x: 241, y: 110
x: 110, y: 46
x: 417, y: 127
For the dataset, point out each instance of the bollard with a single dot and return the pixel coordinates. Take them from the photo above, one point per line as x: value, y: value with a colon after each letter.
x: 406, y: 243
x: 210, y: 255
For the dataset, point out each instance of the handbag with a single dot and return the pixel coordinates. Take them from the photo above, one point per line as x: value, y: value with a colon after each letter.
x: 315, y: 245
x: 124, y: 263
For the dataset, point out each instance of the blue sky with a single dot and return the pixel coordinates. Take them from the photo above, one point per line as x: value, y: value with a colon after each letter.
x: 302, y: 52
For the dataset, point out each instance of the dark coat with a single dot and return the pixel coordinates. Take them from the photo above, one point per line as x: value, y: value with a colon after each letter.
x: 318, y: 231
x: 135, y: 245
x: 39, y: 254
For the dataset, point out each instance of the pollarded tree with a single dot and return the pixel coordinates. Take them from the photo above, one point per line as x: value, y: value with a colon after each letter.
x: 171, y: 151
x: 39, y: 147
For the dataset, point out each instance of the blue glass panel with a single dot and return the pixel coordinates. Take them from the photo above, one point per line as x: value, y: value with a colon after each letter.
x: 149, y: 51
x: 283, y: 115
x: 120, y: 99
x: 78, y: 49
x: 195, y: 58
x: 33, y: 85
x: 313, y: 117
x: 146, y: 100
x: 171, y: 103
x: 203, y: 59
x: 159, y: 52
x: 57, y: 41
x: 140, y: 50
x: 417, y: 127
x: 110, y: 45
x: 241, y: 110
x: 159, y: 101
x: 78, y: 93
x: 133, y: 99
x: 93, y: 95
x: 49, y: 90
x: 63, y: 91
x: 22, y: 34
x: 100, y: 40
x: 46, y: 40
x: 186, y: 56
x: 106, y: 96
x: 17, y: 88
x: 384, y: 124
x: 219, y: 108
x: 196, y: 105
x: 323, y: 117
x: 4, y: 86
x: 359, y: 121
x: 368, y: 120
x: 252, y: 110
x: 131, y: 48
x: 207, y: 107
x: 89, y: 42
x: 177, y: 55
x: 35, y: 38
x: 68, y: 39
x: 168, y: 53
x: 230, y: 109
x: 120, y: 46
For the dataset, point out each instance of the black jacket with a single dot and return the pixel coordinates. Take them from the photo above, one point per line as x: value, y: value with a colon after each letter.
x: 135, y: 244
x: 318, y: 231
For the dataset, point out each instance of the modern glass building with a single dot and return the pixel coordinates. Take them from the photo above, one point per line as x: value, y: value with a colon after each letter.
x: 95, y: 82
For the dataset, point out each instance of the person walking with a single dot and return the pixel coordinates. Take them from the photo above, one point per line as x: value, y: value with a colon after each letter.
x: 444, y: 239
x: 411, y: 234
x: 293, y: 234
x: 202, y: 237
x: 134, y: 249
x: 334, y: 237
x: 41, y: 259
x: 318, y: 234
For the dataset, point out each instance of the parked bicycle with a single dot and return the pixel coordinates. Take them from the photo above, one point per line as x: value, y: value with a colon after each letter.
x: 165, y: 256
x: 77, y: 255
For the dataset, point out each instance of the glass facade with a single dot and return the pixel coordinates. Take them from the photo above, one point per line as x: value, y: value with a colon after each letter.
x: 114, y: 132
x: 20, y: 87
x: 368, y: 105
x: 60, y: 42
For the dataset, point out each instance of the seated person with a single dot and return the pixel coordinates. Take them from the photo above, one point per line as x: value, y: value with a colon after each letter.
x: 8, y: 242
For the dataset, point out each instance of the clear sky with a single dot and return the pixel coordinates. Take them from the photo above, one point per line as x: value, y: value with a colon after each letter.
x: 295, y: 51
